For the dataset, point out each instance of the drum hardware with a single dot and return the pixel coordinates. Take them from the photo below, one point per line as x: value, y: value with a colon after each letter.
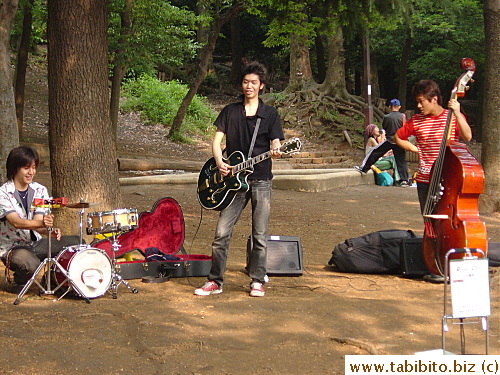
x: 83, y: 205
x: 116, y: 278
x: 115, y: 223
x: 49, y: 262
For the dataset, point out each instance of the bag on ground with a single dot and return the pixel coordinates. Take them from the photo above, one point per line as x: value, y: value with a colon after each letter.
x: 377, y: 252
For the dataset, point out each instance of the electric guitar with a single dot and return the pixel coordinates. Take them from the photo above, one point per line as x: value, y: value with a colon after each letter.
x: 216, y: 192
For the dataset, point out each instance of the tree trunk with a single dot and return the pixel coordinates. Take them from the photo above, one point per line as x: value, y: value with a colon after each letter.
x: 320, y: 58
x: 374, y: 77
x: 22, y: 64
x: 490, y: 156
x: 236, y: 51
x: 369, y: 58
x: 9, y: 136
x: 83, y: 155
x: 334, y: 84
x: 403, y: 72
x: 114, y: 102
x: 119, y: 69
x: 205, y: 57
x: 300, y: 64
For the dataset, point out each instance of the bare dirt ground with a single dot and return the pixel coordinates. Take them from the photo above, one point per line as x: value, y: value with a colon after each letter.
x: 165, y: 329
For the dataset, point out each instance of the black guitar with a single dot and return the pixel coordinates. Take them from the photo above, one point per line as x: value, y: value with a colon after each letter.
x: 216, y: 192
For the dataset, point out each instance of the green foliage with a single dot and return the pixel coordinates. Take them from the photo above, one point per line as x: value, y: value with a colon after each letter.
x: 162, y: 36
x: 158, y: 102
x: 39, y: 23
x: 442, y: 33
x: 445, y: 35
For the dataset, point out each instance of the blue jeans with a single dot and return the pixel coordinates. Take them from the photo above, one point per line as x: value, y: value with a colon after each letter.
x: 260, y: 196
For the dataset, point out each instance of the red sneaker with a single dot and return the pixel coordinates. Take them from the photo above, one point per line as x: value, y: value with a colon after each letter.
x: 210, y: 287
x: 257, y: 289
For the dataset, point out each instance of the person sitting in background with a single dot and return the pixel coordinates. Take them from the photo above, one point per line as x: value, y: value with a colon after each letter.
x: 391, y: 123
x: 375, y: 137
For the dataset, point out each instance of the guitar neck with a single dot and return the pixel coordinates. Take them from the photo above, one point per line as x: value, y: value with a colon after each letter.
x: 247, y: 164
x: 435, y: 180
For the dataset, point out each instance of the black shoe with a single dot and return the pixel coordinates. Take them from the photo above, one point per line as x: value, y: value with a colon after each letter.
x: 358, y: 168
x: 432, y: 278
x: 402, y: 183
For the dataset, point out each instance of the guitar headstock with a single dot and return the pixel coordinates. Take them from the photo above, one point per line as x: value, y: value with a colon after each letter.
x: 461, y: 84
x: 291, y: 146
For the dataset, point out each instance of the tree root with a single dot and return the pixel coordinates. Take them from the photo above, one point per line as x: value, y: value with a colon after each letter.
x: 359, y: 344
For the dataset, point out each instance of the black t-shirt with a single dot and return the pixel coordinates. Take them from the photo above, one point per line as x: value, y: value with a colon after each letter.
x: 239, y: 131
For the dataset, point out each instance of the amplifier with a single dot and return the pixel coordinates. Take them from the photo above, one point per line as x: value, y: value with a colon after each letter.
x: 412, y: 261
x: 284, y: 255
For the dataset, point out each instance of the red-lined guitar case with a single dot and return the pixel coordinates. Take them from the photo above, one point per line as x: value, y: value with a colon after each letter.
x: 161, y: 228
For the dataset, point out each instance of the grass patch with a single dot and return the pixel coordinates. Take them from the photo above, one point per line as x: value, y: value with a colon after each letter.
x: 158, y: 103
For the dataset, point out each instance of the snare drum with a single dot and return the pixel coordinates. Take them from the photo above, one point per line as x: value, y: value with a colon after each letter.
x: 112, y: 221
x: 89, y: 268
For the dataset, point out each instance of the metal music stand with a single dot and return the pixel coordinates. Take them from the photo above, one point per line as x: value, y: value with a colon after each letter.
x: 471, y: 273
x: 49, y: 263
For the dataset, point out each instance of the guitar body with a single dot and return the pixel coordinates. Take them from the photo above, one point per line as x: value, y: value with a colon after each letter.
x: 216, y: 192
x: 462, y: 181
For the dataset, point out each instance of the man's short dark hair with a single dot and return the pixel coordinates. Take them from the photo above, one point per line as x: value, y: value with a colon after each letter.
x: 257, y: 68
x: 428, y: 89
x: 20, y: 157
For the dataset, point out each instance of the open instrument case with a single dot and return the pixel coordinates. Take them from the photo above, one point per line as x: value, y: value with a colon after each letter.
x: 162, y: 228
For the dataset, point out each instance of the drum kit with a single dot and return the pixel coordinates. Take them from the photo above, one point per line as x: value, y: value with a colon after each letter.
x: 86, y: 271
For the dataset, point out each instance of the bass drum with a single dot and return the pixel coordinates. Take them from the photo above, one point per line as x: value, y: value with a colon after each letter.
x: 89, y: 268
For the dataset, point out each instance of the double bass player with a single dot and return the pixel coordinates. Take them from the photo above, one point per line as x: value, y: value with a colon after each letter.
x: 428, y: 127
x: 435, y: 129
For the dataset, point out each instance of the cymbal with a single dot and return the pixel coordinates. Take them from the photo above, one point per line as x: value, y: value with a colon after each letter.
x: 81, y: 205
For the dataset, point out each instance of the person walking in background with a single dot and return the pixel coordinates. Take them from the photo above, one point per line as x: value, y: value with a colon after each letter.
x: 393, y: 121
x: 238, y: 123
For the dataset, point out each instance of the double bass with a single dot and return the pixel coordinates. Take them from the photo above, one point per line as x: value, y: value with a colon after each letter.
x: 451, y: 213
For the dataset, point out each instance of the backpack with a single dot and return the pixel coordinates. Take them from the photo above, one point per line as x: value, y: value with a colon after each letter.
x: 377, y: 252
x: 384, y: 179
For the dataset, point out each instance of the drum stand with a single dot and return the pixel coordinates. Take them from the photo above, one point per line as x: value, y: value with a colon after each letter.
x: 116, y: 277
x: 49, y: 263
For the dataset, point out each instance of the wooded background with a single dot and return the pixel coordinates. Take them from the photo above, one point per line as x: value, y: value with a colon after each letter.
x: 322, y: 55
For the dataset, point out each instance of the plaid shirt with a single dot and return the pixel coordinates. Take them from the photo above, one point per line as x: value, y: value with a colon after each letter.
x: 11, y: 202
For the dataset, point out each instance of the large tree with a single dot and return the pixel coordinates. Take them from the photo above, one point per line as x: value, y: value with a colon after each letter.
x: 83, y: 156
x: 491, y: 114
x: 9, y: 137
x: 149, y: 37
x: 22, y: 63
x: 222, y: 15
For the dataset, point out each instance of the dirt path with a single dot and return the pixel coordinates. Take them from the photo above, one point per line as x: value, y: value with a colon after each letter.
x: 165, y: 329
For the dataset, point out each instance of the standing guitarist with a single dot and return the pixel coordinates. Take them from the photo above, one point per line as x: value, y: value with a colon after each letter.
x: 238, y: 122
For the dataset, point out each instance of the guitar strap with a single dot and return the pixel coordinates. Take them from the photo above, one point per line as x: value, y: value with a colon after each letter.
x: 254, y: 137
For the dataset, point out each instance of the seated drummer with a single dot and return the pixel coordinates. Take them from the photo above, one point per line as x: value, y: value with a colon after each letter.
x: 22, y: 247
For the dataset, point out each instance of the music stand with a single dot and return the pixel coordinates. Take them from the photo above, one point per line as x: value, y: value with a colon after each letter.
x: 470, y: 277
x: 49, y: 262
